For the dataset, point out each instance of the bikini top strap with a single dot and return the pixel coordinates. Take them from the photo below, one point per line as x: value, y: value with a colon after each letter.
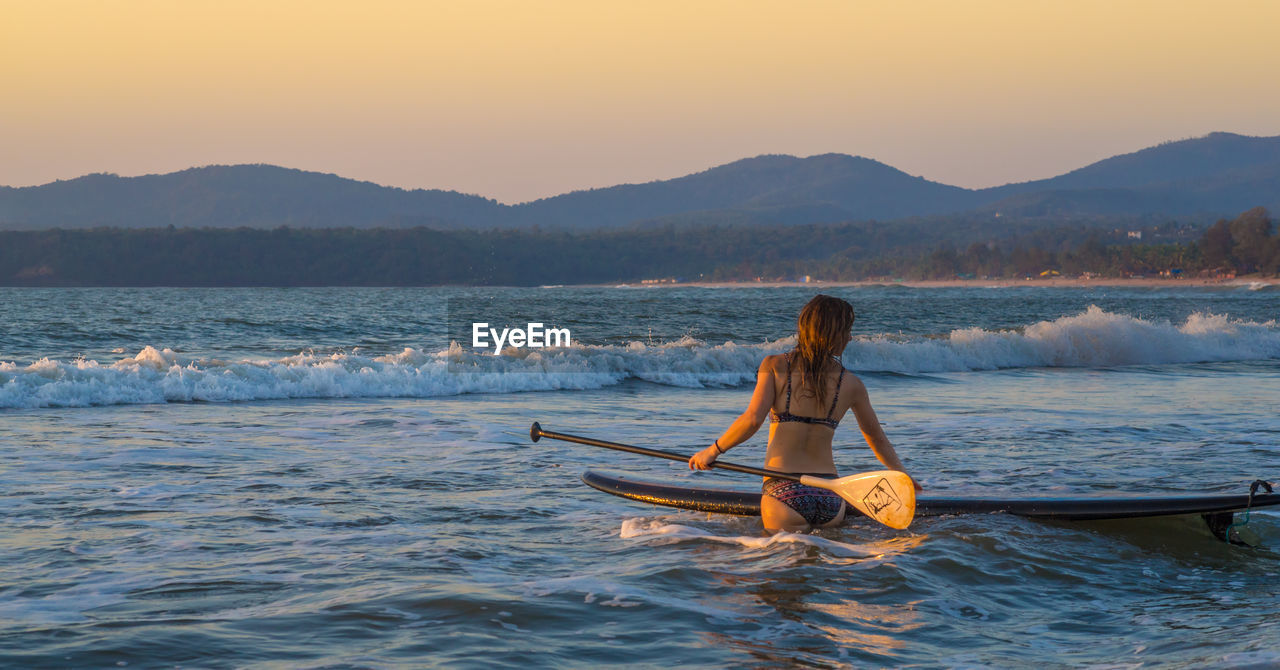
x: 836, y: 399
x: 787, y: 409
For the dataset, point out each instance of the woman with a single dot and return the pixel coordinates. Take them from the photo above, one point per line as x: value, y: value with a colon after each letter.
x: 805, y: 392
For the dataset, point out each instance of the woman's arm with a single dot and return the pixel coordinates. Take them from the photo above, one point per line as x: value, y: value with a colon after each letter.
x: 746, y: 424
x: 872, y: 431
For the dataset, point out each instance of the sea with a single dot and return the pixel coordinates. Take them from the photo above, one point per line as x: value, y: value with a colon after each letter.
x: 339, y: 478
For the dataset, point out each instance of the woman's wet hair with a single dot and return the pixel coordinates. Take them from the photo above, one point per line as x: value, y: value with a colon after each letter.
x: 821, y: 328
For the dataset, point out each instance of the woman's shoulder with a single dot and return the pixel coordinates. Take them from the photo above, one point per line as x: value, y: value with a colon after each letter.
x: 774, y: 362
x: 852, y: 383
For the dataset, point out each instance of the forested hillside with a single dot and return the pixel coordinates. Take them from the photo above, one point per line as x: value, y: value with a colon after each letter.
x: 422, y: 256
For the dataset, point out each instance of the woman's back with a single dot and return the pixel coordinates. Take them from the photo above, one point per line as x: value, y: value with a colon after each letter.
x: 804, y: 421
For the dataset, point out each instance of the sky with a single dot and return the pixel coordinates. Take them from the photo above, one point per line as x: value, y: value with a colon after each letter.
x: 525, y: 99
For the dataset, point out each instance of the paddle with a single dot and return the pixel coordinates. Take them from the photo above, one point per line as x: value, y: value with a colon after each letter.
x: 888, y: 496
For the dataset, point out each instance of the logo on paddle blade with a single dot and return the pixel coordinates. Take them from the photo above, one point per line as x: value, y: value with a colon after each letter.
x: 881, y: 497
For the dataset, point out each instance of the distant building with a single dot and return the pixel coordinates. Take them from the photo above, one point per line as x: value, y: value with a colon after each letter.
x: 1135, y: 234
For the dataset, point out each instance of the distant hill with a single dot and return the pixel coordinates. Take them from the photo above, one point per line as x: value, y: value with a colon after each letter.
x: 1217, y: 175
x: 1171, y: 162
x: 1208, y: 176
x: 263, y: 196
x: 826, y: 188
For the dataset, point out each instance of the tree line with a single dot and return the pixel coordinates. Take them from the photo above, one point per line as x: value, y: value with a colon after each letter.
x: 914, y: 249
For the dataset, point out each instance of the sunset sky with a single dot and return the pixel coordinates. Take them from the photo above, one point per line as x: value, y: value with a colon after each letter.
x: 527, y: 99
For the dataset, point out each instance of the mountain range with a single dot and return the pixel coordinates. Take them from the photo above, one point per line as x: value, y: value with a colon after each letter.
x: 1217, y: 175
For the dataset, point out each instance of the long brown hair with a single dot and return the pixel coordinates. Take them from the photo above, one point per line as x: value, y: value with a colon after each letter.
x: 820, y: 331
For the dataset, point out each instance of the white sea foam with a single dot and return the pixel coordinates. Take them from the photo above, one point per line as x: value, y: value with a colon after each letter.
x: 1094, y: 338
x: 650, y: 529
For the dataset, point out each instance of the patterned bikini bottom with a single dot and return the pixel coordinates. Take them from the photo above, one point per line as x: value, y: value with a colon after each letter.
x: 817, y: 506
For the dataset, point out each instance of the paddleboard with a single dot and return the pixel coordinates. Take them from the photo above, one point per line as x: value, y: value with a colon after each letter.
x: 747, y: 503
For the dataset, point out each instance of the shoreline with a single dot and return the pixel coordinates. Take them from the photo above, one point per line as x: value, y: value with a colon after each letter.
x: 1058, y: 282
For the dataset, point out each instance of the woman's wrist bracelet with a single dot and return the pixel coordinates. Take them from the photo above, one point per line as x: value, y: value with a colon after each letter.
x: 718, y: 449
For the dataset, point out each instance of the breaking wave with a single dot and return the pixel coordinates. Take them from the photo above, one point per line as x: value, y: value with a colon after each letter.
x: 1093, y: 338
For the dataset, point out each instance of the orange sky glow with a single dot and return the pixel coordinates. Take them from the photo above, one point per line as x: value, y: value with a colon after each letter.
x: 518, y: 100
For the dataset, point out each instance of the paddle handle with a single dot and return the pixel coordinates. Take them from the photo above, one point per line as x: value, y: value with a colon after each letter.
x: 536, y: 432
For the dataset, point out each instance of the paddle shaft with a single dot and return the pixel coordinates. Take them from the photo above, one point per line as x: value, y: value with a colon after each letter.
x: 536, y: 432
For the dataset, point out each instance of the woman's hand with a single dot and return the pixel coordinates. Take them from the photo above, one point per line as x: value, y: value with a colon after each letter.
x: 703, y: 459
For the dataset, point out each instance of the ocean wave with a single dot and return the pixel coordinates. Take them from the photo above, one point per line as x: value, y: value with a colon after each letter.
x: 163, y: 375
x: 1093, y: 338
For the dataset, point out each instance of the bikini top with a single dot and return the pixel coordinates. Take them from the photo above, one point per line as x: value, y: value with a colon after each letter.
x: 786, y: 414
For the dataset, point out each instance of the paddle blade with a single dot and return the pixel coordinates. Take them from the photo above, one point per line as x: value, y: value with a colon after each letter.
x: 887, y: 496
